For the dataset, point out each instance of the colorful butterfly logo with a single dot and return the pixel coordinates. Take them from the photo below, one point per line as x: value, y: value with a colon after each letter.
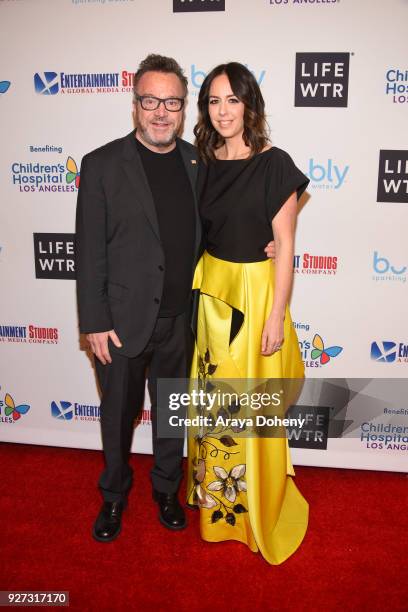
x: 4, y: 85
x: 72, y: 174
x: 12, y: 409
x: 320, y: 351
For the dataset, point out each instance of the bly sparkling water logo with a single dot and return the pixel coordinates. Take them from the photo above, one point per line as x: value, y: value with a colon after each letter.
x: 384, y: 270
x: 389, y: 351
x: 326, y: 174
x: 396, y: 85
x: 322, y: 79
x: 63, y: 410
x: 317, y: 353
x: 393, y: 176
x: 306, y: 263
x: 45, y: 177
x: 197, y: 76
x: 11, y: 411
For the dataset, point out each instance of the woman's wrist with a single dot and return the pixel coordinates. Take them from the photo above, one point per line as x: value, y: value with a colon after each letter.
x: 277, y: 315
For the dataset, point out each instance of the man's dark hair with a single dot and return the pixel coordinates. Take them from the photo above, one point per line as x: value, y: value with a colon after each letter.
x: 159, y: 63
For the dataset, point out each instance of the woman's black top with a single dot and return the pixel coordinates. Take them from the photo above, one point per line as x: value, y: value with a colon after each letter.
x: 239, y: 198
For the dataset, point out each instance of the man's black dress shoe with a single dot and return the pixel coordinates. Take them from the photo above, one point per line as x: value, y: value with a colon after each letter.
x: 171, y: 514
x: 109, y: 521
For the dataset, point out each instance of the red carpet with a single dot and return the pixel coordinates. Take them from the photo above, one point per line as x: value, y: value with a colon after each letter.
x: 353, y: 557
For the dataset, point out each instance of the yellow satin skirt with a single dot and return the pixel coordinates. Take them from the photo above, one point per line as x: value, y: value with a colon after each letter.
x: 243, y: 487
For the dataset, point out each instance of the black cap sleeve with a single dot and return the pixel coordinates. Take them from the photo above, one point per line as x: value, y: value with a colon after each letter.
x: 284, y: 178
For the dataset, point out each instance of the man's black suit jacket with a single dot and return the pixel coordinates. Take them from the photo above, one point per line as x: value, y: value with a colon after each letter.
x: 119, y: 256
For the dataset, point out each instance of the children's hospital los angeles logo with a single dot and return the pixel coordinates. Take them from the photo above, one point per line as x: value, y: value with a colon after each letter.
x: 315, y: 352
x: 11, y: 411
x: 396, y: 85
x: 46, y: 176
x: 4, y: 86
x: 322, y: 79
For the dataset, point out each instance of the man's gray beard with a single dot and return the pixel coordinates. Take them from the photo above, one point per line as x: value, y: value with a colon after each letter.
x: 161, y: 143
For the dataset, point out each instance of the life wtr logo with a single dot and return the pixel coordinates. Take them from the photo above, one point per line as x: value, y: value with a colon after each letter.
x: 322, y: 79
x: 54, y: 256
x: 393, y: 176
x: 198, y: 6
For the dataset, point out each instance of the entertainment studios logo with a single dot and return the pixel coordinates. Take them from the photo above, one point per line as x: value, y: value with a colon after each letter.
x: 322, y: 79
x: 32, y: 177
x: 72, y: 411
x: 198, y: 6
x: 144, y: 419
x: 388, y: 351
x: 54, y: 256
x: 53, y: 83
x: 316, y: 352
x: 10, y: 411
x: 316, y: 264
x: 326, y: 175
x: 63, y: 410
x: 32, y: 334
x: 385, y: 271
x: 396, y: 85
x: 393, y: 176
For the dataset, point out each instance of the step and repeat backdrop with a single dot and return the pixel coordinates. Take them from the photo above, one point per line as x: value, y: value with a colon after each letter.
x: 334, y: 75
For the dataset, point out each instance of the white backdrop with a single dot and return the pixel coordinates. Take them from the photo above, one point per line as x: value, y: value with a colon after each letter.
x: 353, y: 295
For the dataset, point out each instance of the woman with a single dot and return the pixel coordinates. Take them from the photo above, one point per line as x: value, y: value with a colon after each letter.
x: 247, y: 194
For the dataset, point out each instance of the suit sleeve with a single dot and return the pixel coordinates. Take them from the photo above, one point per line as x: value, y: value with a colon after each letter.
x: 91, y: 251
x: 284, y: 178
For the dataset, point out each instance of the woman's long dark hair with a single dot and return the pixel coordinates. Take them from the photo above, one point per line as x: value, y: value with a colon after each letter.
x: 246, y: 89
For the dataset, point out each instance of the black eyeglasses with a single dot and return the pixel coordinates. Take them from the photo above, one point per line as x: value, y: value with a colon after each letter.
x: 151, y: 103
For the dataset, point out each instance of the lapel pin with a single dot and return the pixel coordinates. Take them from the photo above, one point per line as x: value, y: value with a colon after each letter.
x: 193, y: 161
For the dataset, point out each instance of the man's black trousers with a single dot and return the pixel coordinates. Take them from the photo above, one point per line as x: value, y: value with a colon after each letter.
x: 122, y: 385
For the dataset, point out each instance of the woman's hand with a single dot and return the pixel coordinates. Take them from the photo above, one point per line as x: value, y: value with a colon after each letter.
x: 272, y: 335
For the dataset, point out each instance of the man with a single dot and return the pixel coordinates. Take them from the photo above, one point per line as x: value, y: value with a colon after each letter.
x: 137, y: 238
